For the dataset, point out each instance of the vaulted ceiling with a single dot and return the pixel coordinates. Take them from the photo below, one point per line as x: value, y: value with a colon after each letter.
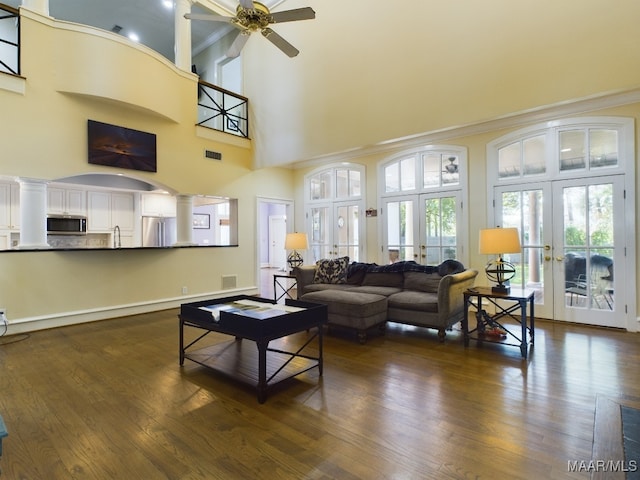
x: 151, y: 20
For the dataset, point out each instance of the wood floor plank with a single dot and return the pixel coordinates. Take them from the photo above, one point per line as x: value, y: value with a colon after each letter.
x: 109, y: 400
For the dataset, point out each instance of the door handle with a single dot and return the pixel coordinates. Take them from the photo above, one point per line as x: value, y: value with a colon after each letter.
x: 559, y: 259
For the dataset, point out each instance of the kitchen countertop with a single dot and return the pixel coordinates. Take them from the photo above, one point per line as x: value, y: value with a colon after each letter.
x: 93, y: 249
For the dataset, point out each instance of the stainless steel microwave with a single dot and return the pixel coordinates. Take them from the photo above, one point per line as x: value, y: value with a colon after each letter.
x: 66, y: 225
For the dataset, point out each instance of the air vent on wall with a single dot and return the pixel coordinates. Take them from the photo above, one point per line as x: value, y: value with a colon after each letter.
x: 213, y: 155
x: 116, y: 29
x: 229, y: 281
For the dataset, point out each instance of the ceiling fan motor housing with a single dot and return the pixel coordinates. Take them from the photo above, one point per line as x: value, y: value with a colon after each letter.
x: 254, y: 19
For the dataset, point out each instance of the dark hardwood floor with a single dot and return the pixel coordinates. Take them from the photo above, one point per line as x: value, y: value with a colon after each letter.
x: 109, y: 400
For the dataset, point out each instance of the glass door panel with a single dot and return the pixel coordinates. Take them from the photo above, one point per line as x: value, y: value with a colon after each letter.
x: 589, y: 223
x: 439, y: 229
x: 347, y: 229
x: 320, y: 243
x: 401, y: 216
x: 523, y: 207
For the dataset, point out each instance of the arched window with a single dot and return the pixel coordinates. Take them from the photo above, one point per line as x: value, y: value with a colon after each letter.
x: 422, y: 194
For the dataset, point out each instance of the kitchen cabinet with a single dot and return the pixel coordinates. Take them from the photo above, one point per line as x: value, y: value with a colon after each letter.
x: 158, y: 205
x: 66, y: 201
x: 99, y: 212
x: 9, y: 214
x: 110, y: 209
x: 122, y: 211
x: 9, y: 206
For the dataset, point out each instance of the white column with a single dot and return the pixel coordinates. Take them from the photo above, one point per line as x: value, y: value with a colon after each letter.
x: 40, y: 6
x: 184, y: 220
x: 182, y: 34
x: 33, y: 214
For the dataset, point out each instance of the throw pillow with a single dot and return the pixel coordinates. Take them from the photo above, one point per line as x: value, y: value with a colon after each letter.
x: 331, y: 270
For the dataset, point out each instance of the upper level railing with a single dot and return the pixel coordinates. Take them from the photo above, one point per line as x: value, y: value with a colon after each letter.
x: 9, y: 40
x: 222, y: 110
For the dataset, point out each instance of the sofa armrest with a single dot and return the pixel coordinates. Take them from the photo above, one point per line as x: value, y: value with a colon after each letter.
x: 304, y: 276
x: 450, y: 295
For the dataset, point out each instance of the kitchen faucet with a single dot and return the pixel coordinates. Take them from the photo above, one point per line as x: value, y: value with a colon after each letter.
x: 116, y: 237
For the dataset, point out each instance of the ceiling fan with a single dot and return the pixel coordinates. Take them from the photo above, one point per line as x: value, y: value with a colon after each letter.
x: 253, y: 17
x: 451, y: 167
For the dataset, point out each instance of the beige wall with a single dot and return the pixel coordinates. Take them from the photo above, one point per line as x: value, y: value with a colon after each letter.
x: 75, y: 73
x: 377, y: 71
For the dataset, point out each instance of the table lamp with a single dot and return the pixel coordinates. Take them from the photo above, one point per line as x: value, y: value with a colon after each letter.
x: 498, y: 241
x: 295, y: 241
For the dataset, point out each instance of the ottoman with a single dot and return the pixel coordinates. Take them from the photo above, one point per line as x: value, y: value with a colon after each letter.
x: 351, y: 309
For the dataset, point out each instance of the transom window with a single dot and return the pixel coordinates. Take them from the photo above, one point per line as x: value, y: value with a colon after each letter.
x: 572, y: 150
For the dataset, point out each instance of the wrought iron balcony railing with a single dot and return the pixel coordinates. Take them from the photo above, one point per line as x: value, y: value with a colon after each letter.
x: 222, y: 110
x: 9, y: 40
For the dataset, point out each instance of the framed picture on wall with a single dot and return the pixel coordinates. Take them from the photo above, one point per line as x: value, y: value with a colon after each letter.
x: 121, y: 147
x: 201, y: 220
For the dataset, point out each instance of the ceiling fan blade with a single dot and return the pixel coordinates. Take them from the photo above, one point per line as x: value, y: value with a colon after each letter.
x: 280, y: 42
x: 247, y: 4
x: 205, y: 16
x: 238, y: 44
x: 306, y: 13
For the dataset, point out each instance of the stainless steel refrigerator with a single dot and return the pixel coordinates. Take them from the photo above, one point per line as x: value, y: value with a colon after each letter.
x: 158, y: 231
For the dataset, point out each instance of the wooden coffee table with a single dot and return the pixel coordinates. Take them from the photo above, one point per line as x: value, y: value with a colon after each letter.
x: 261, y: 321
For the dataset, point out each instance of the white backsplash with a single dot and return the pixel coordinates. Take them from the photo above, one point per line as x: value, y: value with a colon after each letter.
x: 90, y: 240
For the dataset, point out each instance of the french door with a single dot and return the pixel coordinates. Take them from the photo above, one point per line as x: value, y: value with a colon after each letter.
x: 573, y: 253
x: 335, y: 230
x: 423, y: 228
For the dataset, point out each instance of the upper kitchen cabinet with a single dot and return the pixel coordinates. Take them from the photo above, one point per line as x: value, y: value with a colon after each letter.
x: 108, y: 210
x: 158, y: 205
x: 9, y: 214
x: 9, y: 206
x: 66, y: 201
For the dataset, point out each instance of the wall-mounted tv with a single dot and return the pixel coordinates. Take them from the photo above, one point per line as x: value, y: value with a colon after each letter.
x: 121, y: 147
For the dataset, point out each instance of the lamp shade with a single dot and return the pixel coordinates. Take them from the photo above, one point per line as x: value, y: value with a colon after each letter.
x: 296, y: 241
x: 495, y: 241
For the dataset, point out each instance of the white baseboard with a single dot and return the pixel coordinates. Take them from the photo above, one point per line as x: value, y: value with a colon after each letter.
x: 63, y: 319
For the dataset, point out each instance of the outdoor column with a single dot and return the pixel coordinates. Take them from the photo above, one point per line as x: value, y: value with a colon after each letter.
x: 184, y: 220
x: 39, y: 6
x: 182, y: 44
x: 33, y: 214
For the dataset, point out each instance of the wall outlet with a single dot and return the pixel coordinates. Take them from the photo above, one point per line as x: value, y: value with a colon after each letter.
x: 184, y: 290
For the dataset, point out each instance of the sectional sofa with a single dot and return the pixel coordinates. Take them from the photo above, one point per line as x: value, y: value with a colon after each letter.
x: 361, y: 296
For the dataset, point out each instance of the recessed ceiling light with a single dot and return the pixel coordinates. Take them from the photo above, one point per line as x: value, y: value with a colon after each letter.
x: 134, y: 37
x: 167, y: 3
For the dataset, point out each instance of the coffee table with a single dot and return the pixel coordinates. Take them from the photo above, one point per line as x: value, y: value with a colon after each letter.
x: 259, y: 320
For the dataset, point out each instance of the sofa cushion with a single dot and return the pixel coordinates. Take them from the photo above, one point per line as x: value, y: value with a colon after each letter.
x: 413, y: 300
x: 422, y: 282
x: 383, y: 279
x: 375, y: 289
x: 317, y: 287
x: 349, y: 303
x: 331, y: 270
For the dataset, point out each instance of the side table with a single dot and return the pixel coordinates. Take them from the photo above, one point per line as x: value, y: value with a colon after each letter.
x: 491, y: 328
x: 282, y: 288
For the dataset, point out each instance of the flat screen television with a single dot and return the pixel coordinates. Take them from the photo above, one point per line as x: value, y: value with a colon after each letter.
x: 121, y: 147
